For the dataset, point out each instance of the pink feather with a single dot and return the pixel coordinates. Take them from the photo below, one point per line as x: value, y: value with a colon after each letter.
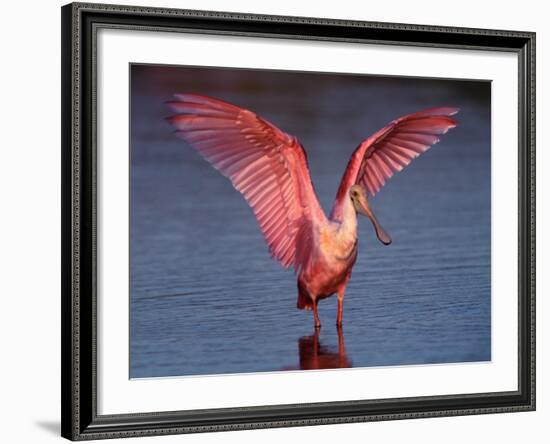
x: 268, y: 166
x: 391, y: 149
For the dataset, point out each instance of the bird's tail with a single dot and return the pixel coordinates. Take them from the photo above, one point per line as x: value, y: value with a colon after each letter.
x: 304, y: 301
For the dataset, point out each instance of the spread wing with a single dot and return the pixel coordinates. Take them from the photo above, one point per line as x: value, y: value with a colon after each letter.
x: 267, y: 166
x: 391, y: 149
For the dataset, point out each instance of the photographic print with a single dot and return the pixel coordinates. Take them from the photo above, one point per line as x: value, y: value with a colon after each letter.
x: 288, y: 221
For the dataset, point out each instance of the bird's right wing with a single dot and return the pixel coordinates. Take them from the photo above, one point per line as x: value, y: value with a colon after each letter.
x: 267, y: 166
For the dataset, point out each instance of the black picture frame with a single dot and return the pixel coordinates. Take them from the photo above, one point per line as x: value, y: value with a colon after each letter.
x: 79, y: 211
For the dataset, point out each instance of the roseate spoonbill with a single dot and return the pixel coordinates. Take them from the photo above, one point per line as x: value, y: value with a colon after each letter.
x: 269, y: 168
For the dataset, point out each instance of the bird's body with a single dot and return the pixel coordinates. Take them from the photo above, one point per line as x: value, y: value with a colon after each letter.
x: 269, y: 168
x: 330, y: 260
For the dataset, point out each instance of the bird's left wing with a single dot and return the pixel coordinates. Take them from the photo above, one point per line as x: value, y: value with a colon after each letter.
x: 391, y: 149
x: 267, y: 166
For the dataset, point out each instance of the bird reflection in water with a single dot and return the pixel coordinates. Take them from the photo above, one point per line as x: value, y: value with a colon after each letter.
x: 314, y: 355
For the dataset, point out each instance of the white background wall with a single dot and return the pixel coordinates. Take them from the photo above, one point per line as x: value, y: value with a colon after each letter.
x: 30, y: 218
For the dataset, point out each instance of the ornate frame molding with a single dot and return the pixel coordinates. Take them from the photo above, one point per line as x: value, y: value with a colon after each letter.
x: 80, y: 22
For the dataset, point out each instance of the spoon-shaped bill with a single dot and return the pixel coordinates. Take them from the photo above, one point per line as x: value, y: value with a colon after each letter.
x: 362, y: 206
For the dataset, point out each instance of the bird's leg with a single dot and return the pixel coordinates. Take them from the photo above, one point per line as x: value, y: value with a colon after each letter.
x: 341, y: 347
x: 317, y: 321
x: 340, y: 295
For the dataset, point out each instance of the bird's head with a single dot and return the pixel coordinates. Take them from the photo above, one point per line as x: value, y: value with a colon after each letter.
x: 358, y: 196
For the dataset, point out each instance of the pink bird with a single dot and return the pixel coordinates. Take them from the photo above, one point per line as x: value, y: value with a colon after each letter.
x: 269, y: 168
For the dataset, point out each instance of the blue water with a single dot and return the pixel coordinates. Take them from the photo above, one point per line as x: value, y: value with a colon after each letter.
x: 206, y: 298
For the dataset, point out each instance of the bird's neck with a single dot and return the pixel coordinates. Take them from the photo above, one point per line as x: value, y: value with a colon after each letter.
x: 348, y: 219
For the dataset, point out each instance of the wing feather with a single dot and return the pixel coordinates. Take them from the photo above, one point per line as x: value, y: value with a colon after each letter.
x: 392, y: 148
x: 267, y: 166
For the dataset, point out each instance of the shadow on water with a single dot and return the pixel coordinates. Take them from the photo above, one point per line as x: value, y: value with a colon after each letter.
x: 314, y: 355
